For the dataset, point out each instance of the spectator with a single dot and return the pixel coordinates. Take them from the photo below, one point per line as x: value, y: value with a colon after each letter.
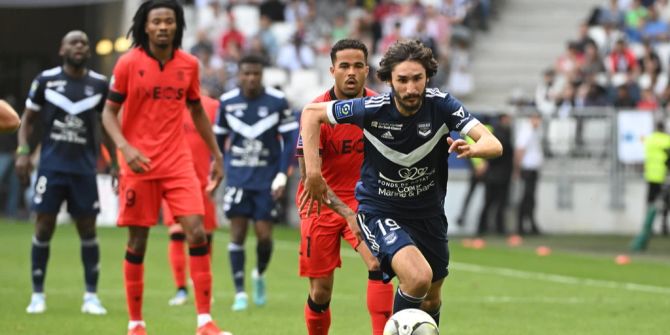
x: 528, y: 158
x: 611, y: 14
x: 648, y: 101
x: 268, y: 38
x: 570, y: 61
x: 546, y: 93
x: 296, y: 10
x: 273, y: 10
x: 621, y: 59
x: 295, y: 55
x: 231, y: 36
x: 656, y: 151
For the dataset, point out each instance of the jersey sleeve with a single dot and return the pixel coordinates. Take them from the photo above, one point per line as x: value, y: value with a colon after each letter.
x: 104, y: 90
x: 221, y: 125
x: 352, y: 111
x: 35, y: 99
x: 118, y: 85
x: 193, y: 92
x: 456, y: 117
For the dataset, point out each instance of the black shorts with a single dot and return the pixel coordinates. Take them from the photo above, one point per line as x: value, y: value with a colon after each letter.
x: 80, y: 191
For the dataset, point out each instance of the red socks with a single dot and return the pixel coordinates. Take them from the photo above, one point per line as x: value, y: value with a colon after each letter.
x: 177, y: 258
x: 380, y: 304
x: 201, y: 274
x: 133, y: 275
x: 317, y: 317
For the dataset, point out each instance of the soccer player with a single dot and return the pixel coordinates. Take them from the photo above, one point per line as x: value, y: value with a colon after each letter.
x: 153, y: 82
x: 404, y: 174
x: 201, y: 163
x: 67, y: 100
x: 9, y: 120
x: 250, y: 123
x: 341, y: 151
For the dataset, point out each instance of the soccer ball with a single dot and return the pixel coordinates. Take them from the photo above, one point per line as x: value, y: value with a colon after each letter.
x: 411, y: 322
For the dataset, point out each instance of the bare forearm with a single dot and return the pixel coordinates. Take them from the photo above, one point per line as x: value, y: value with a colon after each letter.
x: 488, y: 146
x: 112, y: 126
x: 338, y: 206
x: 110, y: 146
x: 311, y: 129
x: 26, y: 127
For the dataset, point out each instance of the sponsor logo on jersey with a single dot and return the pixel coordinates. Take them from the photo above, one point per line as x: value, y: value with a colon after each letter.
x: 423, y: 129
x: 386, y: 125
x: 88, y: 90
x: 263, y: 111
x: 343, y: 109
x: 460, y: 113
x: 387, y: 136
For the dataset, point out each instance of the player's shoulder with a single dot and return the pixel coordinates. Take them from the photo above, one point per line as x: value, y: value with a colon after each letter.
x: 97, y: 76
x: 377, y: 101
x: 274, y: 93
x: 230, y: 95
x: 50, y: 73
x: 435, y: 94
x: 185, y: 57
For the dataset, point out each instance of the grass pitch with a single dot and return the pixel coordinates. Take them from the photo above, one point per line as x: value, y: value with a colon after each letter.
x: 500, y: 290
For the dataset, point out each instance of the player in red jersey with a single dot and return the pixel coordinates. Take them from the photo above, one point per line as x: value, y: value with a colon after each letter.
x: 341, y: 149
x: 201, y: 163
x: 153, y: 82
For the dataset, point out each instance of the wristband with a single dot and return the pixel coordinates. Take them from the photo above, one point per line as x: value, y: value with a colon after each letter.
x: 23, y: 149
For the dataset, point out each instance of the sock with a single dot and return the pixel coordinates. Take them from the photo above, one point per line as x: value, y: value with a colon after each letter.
x: 317, y: 317
x: 380, y: 301
x: 90, y: 257
x: 436, y: 315
x: 39, y: 257
x: 236, y: 253
x: 263, y: 252
x: 203, y: 319
x: 201, y: 274
x: 177, y: 258
x: 403, y: 300
x: 133, y: 275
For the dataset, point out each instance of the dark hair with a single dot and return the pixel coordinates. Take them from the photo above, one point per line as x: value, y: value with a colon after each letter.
x: 346, y: 44
x: 401, y: 51
x: 140, y: 38
x: 252, y: 58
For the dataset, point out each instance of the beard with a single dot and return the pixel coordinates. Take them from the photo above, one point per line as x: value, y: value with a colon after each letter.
x: 408, y: 107
x: 76, y: 63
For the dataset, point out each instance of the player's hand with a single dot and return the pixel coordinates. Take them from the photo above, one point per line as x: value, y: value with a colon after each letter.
x: 137, y: 162
x: 315, y: 191
x: 278, y: 185
x: 460, y: 146
x: 23, y: 168
x: 353, y: 226
x: 215, y: 176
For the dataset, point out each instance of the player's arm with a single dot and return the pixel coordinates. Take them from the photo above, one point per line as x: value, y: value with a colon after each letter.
x: 313, y: 115
x: 288, y: 130
x: 9, y: 120
x: 23, y: 164
x: 486, y: 145
x: 204, y: 127
x: 110, y: 121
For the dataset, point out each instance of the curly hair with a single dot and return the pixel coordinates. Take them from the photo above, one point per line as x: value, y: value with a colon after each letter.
x: 136, y: 31
x: 401, y: 51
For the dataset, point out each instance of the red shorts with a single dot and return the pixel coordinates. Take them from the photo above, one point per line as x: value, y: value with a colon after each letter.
x: 140, y: 199
x: 210, y: 213
x: 320, y: 244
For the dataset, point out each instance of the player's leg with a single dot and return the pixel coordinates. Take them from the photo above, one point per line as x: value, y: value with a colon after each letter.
x: 414, y: 274
x: 379, y: 293
x: 237, y: 255
x: 177, y: 259
x: 319, y: 256
x: 264, y: 215
x: 50, y: 191
x: 83, y: 206
x: 139, y: 204
x: 433, y: 302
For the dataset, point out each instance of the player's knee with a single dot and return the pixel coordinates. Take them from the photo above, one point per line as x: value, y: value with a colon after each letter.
x: 321, y: 294
x: 44, y: 231
x: 419, y: 280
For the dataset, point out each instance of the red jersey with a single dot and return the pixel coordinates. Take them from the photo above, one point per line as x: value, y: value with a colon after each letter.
x: 341, y: 151
x: 199, y: 149
x: 153, y: 98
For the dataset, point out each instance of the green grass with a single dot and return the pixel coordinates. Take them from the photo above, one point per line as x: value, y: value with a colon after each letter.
x: 578, y: 289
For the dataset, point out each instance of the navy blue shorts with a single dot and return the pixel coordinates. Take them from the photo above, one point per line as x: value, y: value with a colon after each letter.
x: 255, y: 204
x: 80, y: 191
x: 386, y: 235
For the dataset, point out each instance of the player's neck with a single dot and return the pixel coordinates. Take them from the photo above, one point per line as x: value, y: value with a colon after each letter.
x: 341, y: 96
x: 251, y: 94
x: 74, y: 71
x: 162, y: 54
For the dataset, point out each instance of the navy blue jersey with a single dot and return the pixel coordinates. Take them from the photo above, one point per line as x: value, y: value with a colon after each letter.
x: 69, y: 111
x: 404, y: 170
x: 261, y: 137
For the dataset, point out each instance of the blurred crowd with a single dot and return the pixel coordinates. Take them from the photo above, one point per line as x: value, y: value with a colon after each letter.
x: 619, y: 58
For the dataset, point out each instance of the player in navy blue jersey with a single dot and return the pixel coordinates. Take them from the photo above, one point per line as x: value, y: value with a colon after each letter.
x: 257, y: 132
x: 404, y: 174
x: 67, y: 100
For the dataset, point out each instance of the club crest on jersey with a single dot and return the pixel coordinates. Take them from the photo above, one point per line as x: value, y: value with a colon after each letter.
x: 88, y: 90
x: 390, y: 238
x: 460, y: 113
x: 343, y: 109
x: 423, y: 129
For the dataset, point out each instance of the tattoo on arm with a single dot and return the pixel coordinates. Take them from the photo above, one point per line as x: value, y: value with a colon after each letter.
x: 338, y: 206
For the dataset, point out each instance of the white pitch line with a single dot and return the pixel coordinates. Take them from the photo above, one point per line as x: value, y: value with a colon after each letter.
x: 548, y: 277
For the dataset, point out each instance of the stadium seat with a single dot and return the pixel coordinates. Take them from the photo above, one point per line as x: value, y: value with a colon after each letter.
x: 663, y: 52
x: 274, y: 76
x: 561, y: 135
x: 246, y: 19
x: 282, y: 32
